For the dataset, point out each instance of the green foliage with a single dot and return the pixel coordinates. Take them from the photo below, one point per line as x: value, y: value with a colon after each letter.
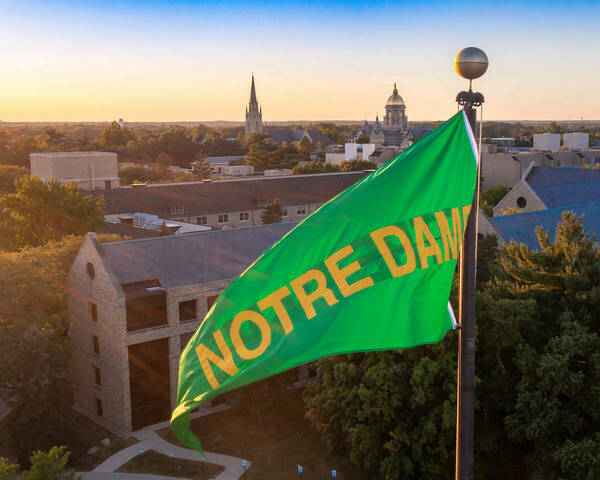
x: 539, y: 363
x: 272, y: 213
x: 201, y: 166
x: 39, y: 212
x: 356, y: 165
x: 314, y: 167
x: 393, y: 412
x: 34, y: 351
x: 362, y: 138
x: 490, y: 198
x: 50, y: 465
x: 8, y: 175
x: 8, y: 471
x: 114, y: 135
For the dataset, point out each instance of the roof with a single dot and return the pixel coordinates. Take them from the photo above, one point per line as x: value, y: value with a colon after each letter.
x: 224, y: 196
x: 395, y: 98
x: 201, y: 257
x: 291, y: 135
x: 72, y: 154
x: 223, y: 160
x: 559, y: 187
x: 521, y: 226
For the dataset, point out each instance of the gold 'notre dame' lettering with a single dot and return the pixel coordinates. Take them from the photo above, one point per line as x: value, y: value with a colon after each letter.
x: 275, y: 300
x: 340, y: 275
x: 236, y: 338
x: 379, y: 237
x: 452, y: 240
x: 433, y: 249
x: 307, y: 300
x: 224, y: 362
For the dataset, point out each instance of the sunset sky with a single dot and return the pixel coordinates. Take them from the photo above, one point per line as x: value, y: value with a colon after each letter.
x: 322, y: 60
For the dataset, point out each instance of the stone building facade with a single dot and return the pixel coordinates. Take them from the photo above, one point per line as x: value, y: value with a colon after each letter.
x: 231, y: 203
x: 90, y: 170
x: 133, y: 307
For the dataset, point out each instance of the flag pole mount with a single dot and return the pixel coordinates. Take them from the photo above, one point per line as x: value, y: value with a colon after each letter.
x: 470, y: 63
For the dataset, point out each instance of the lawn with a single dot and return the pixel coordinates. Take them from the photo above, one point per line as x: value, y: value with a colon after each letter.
x: 86, y: 434
x: 155, y: 463
x: 275, y: 448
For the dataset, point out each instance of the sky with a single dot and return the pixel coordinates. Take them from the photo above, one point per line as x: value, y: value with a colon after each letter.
x: 174, y: 61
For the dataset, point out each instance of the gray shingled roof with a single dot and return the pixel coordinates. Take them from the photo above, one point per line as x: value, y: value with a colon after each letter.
x: 192, y: 258
x: 228, y: 195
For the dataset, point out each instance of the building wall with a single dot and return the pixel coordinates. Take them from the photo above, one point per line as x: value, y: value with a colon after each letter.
x: 576, y: 141
x: 513, y: 200
x: 111, y: 333
x: 91, y: 170
x: 114, y: 340
x: 234, y: 220
x: 548, y: 142
x: 499, y: 169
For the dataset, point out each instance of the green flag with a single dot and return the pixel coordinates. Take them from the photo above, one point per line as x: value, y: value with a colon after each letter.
x: 369, y: 270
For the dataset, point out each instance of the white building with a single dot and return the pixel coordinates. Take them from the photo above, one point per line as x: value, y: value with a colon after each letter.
x: 546, y: 142
x: 576, y: 141
x: 90, y: 170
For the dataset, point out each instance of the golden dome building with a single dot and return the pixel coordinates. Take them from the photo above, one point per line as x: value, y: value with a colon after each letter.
x: 394, y: 129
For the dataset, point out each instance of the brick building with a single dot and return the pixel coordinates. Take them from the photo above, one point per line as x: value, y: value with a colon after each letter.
x: 231, y: 203
x: 135, y: 304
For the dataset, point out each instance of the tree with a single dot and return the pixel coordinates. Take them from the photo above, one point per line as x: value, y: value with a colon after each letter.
x: 51, y: 465
x: 34, y: 351
x: 305, y: 147
x: 356, y: 165
x: 201, y: 166
x: 542, y: 367
x: 8, y: 175
x: 314, y: 167
x: 114, y: 135
x: 8, y: 471
x: 39, y: 212
x: 272, y: 213
x: 490, y: 198
x: 362, y: 139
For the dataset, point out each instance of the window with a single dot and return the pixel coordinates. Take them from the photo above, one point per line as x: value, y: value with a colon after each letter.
x: 187, y: 310
x: 178, y: 209
x: 224, y: 218
x: 96, y: 344
x: 244, y: 216
x: 98, y: 376
x: 201, y: 220
x: 262, y: 203
x: 94, y: 312
x: 521, y: 202
x: 99, y: 407
x: 301, y: 211
x: 184, y: 338
x: 284, y: 212
x: 90, y: 270
x: 146, y: 311
x: 210, y: 301
x: 107, y: 184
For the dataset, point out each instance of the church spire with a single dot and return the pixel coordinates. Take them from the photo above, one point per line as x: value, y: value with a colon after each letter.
x: 253, y: 100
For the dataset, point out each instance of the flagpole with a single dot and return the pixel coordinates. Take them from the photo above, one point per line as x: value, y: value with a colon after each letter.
x: 470, y: 63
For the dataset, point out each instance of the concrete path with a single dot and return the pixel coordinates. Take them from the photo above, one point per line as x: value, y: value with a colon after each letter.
x: 150, y: 440
x: 124, y: 476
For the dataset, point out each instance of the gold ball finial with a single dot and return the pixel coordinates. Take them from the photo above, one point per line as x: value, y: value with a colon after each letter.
x: 471, y: 63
